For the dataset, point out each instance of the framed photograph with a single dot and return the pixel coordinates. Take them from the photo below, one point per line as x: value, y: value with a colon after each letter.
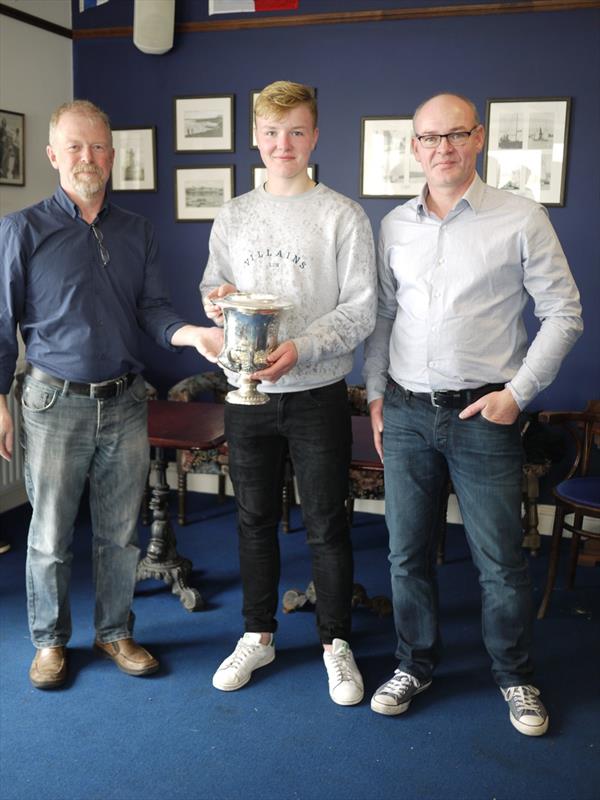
x: 253, y: 96
x: 201, y: 191
x: 134, y: 169
x: 526, y: 149
x: 204, y: 124
x: 259, y: 174
x: 12, y: 148
x: 388, y: 167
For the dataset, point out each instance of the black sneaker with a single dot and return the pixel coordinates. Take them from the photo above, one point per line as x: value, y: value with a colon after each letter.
x: 394, y: 696
x: 527, y: 712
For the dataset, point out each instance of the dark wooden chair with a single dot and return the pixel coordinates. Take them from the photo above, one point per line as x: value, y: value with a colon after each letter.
x: 578, y: 494
x: 208, y: 386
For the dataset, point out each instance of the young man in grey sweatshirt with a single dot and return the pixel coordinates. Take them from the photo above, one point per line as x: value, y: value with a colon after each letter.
x: 300, y: 240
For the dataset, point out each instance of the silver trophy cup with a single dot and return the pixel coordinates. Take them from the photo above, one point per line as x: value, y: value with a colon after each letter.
x: 251, y: 324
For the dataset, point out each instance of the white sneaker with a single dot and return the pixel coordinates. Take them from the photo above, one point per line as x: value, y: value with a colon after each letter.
x: 345, y: 681
x: 248, y: 655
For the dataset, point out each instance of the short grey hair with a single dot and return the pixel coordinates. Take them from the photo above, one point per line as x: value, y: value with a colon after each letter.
x: 84, y: 107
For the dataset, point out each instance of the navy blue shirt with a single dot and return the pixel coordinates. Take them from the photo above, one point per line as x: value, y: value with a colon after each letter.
x: 81, y: 320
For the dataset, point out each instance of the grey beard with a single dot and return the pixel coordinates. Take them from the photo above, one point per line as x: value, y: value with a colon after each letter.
x: 88, y: 189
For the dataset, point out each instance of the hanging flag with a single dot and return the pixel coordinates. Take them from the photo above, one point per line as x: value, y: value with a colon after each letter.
x: 85, y: 4
x: 241, y: 6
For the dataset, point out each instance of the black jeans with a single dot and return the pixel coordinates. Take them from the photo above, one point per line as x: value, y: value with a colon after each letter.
x: 315, y: 428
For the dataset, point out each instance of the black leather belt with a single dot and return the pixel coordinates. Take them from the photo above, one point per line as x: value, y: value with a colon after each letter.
x: 458, y: 399
x: 97, y: 391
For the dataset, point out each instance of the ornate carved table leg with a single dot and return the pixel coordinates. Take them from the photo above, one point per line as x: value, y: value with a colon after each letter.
x: 162, y: 562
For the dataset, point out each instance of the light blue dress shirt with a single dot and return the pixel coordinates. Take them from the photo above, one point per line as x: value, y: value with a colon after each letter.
x: 452, y: 293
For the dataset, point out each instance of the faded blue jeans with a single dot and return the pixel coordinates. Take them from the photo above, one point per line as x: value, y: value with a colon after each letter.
x: 315, y: 428
x: 422, y: 446
x: 67, y: 438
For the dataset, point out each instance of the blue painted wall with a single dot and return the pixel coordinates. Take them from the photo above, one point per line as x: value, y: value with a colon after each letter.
x: 364, y: 69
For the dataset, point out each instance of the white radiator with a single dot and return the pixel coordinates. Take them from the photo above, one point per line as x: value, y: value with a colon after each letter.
x: 12, y: 485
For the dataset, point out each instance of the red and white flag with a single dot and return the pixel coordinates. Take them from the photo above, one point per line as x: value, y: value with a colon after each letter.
x: 241, y: 6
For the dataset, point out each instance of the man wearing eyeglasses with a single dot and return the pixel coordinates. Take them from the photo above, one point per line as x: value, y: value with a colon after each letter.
x: 448, y: 370
x: 80, y: 277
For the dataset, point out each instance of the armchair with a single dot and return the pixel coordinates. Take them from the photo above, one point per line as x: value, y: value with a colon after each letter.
x: 577, y: 494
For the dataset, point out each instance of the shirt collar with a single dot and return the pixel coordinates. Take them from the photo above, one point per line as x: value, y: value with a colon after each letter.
x: 473, y: 196
x: 71, y: 208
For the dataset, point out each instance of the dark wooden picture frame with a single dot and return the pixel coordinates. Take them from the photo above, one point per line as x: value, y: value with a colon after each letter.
x: 12, y: 148
x: 204, y: 123
x: 526, y: 146
x: 201, y: 191
x: 388, y: 167
x: 134, y: 168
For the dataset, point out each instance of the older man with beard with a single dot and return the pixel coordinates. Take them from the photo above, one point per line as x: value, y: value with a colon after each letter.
x: 81, y: 278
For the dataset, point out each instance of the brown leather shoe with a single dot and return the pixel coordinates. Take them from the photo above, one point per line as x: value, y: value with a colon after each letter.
x: 129, y: 656
x: 49, y: 668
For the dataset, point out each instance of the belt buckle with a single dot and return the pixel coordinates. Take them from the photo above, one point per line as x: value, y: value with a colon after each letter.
x: 434, y: 402
x: 97, y: 389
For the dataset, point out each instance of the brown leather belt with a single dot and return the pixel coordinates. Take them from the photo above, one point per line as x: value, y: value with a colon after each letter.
x: 96, y: 391
x: 458, y: 399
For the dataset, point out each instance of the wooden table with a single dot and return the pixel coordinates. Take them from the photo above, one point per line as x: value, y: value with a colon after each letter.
x: 178, y: 426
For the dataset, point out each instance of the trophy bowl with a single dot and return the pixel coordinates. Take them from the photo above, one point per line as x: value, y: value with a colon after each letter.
x: 251, y: 323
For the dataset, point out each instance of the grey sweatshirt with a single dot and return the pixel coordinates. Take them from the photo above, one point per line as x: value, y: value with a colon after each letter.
x: 315, y: 249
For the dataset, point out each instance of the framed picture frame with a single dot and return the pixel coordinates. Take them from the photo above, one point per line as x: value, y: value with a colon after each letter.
x: 204, y: 124
x: 253, y: 97
x: 388, y: 167
x: 259, y: 174
x: 12, y: 148
x: 526, y: 150
x: 201, y: 191
x: 134, y: 168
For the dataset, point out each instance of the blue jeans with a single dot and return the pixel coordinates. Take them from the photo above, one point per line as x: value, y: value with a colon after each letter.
x: 314, y: 427
x: 422, y: 446
x: 66, y: 439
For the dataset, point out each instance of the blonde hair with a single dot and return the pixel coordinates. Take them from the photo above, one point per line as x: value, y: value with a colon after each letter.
x: 462, y: 97
x: 278, y: 98
x: 84, y: 107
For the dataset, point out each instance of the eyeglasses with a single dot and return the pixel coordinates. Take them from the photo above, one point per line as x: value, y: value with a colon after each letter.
x: 99, y: 236
x: 456, y: 138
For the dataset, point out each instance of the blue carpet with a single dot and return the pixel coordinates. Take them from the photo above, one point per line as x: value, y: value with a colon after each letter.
x: 108, y: 736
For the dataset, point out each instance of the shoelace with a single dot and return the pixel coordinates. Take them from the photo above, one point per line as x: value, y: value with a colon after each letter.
x: 400, y: 682
x: 525, y: 698
x: 341, y: 664
x: 241, y: 653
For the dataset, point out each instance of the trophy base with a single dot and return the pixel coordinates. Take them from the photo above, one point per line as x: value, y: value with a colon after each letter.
x: 247, y: 394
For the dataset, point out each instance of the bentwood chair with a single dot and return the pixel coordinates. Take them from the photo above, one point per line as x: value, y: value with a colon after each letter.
x: 578, y: 494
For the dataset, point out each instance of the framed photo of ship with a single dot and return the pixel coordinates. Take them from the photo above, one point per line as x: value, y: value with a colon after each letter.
x: 526, y: 150
x: 204, y: 124
x: 134, y: 168
x: 201, y: 191
x: 388, y: 167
